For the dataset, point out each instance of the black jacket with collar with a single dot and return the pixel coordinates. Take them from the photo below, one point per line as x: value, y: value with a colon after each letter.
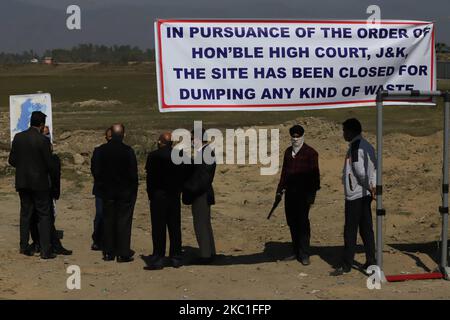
x: 162, y: 173
x: 200, y: 179
x: 32, y: 157
x: 116, y: 172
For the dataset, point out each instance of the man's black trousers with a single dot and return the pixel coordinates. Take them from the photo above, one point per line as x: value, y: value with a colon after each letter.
x: 297, y: 217
x: 358, y: 214
x: 37, y: 202
x: 117, y: 221
x: 165, y: 212
x: 34, y: 231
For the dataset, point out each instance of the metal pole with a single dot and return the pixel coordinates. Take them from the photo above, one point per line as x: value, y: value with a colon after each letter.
x: 444, y: 208
x: 379, y: 188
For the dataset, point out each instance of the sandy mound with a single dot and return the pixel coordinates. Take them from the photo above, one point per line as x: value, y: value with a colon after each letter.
x: 96, y: 103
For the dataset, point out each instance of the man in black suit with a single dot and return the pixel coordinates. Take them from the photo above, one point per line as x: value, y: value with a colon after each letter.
x: 55, y: 192
x: 97, y: 235
x: 198, y: 192
x: 31, y: 156
x: 117, y: 177
x: 164, y: 184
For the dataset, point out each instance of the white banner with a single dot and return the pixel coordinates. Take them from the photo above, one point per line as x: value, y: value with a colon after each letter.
x: 21, y: 107
x: 255, y: 65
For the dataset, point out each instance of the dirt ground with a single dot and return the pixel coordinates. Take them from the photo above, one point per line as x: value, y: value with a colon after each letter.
x: 253, y: 247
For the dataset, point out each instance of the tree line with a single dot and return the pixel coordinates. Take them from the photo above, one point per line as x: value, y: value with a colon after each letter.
x: 116, y: 54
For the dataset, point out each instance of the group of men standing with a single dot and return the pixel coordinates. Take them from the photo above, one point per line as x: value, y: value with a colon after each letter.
x: 115, y: 171
x: 300, y: 180
x: 166, y: 182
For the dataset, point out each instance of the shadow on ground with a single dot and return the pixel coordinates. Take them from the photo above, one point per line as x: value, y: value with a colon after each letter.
x: 413, y: 250
x: 279, y: 251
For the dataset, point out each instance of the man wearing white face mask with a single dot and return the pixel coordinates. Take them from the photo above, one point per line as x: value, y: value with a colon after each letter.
x: 300, y: 180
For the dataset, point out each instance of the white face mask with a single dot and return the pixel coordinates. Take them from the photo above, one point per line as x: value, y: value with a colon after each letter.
x: 297, y: 143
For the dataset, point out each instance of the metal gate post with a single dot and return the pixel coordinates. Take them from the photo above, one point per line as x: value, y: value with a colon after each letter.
x: 379, y: 188
x: 444, y: 208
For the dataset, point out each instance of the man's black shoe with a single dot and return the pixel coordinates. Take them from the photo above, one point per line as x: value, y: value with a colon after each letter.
x: 108, y: 257
x: 27, y: 252
x: 176, y: 262
x: 62, y: 251
x: 124, y: 259
x: 305, y: 261
x: 35, y: 247
x: 339, y: 271
x: 96, y: 247
x: 48, y: 256
x: 157, y: 264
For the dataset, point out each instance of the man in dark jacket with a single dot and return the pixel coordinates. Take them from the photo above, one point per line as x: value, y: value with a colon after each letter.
x: 300, y: 180
x: 164, y: 184
x: 117, y: 177
x: 97, y: 235
x: 55, y: 192
x: 198, y: 192
x: 31, y: 156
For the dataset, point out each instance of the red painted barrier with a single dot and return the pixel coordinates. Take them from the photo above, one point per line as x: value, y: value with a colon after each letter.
x: 418, y: 276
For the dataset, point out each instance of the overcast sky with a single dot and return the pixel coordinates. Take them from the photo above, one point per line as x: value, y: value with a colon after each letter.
x: 41, y: 24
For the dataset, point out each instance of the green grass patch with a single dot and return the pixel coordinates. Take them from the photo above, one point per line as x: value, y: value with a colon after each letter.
x: 135, y: 87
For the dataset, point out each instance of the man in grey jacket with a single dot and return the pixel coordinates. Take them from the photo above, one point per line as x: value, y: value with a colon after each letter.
x: 198, y: 192
x: 359, y: 180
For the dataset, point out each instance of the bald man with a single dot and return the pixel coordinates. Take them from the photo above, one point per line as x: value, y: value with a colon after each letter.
x: 117, y: 177
x: 164, y: 182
